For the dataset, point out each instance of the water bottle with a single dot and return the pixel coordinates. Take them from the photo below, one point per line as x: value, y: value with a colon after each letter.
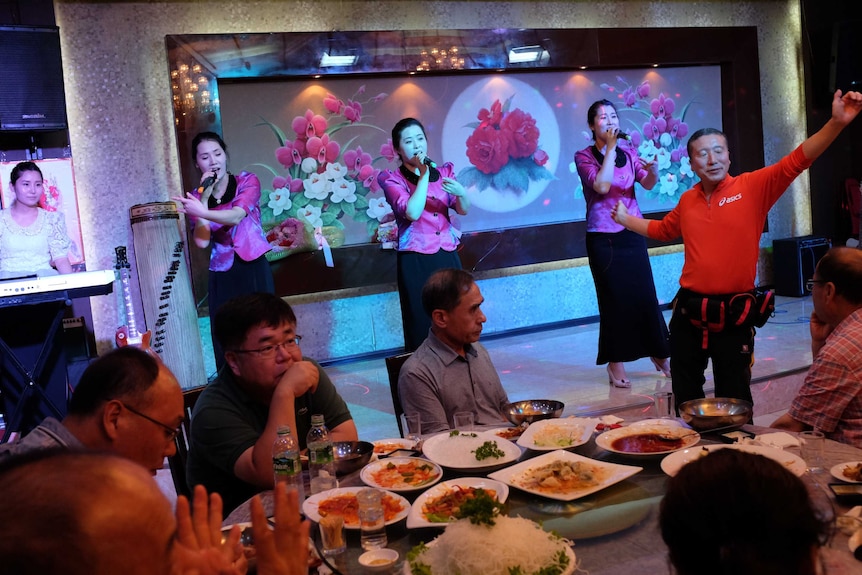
x: 321, y: 462
x: 286, y: 466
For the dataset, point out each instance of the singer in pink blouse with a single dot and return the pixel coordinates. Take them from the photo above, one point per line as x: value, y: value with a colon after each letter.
x: 421, y: 195
x: 631, y: 325
x: 226, y: 214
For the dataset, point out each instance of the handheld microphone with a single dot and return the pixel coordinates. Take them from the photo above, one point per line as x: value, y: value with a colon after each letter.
x: 623, y: 136
x: 429, y: 162
x: 206, y: 183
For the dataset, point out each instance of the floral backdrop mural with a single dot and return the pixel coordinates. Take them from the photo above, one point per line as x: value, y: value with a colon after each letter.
x: 318, y: 145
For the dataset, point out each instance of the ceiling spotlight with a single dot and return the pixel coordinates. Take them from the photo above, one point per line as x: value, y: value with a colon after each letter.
x: 327, y: 60
x: 524, y: 54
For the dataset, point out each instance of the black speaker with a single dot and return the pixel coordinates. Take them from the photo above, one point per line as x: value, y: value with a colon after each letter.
x: 31, y: 96
x: 794, y: 260
x: 846, y: 65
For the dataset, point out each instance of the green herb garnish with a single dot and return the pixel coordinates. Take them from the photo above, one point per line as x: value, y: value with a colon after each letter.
x: 480, y: 509
x: 487, y: 450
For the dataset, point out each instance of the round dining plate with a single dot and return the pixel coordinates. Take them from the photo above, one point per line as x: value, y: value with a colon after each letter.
x: 311, y: 505
x: 675, y: 461
x: 665, y: 427
x: 416, y: 518
x: 458, y: 451
x: 837, y: 471
x: 559, y: 433
x: 384, y: 446
x: 401, y: 474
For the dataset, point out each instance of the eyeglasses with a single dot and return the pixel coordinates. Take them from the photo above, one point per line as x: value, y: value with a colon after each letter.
x: 809, y: 285
x: 269, y: 350
x: 170, y: 432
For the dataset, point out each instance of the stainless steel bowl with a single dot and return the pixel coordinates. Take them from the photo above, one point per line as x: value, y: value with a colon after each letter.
x: 351, y: 456
x: 531, y: 410
x: 713, y: 413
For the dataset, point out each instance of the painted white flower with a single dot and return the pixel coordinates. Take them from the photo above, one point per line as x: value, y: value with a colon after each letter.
x: 647, y: 150
x: 662, y: 158
x: 573, y: 167
x: 310, y: 214
x: 343, y: 190
x: 335, y: 171
x: 665, y: 140
x: 279, y: 201
x: 378, y: 208
x: 316, y: 186
x: 685, y: 167
x: 308, y: 165
x: 668, y: 185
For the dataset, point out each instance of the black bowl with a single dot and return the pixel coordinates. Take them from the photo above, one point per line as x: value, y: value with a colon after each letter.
x: 351, y: 456
x: 531, y: 410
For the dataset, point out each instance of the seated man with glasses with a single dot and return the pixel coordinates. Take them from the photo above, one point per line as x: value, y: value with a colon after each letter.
x: 266, y: 383
x: 830, y: 399
x: 127, y: 403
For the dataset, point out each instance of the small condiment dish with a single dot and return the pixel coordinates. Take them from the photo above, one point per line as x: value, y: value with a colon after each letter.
x: 378, y: 559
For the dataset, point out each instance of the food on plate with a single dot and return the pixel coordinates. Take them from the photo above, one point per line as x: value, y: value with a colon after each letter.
x: 607, y: 426
x: 412, y: 473
x: 510, y: 432
x: 510, y: 545
x: 347, y: 506
x: 488, y: 450
x: 647, y: 443
x: 445, y: 508
x: 852, y: 472
x: 554, y: 435
x: 388, y: 447
x: 561, y: 477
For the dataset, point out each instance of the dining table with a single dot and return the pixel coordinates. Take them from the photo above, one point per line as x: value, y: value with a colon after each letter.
x: 613, y: 531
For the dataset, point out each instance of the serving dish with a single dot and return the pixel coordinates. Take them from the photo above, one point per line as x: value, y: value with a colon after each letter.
x: 710, y: 413
x: 602, y: 474
x: 837, y: 471
x: 384, y: 446
x: 416, y: 518
x: 310, y: 506
x: 531, y: 410
x: 666, y: 430
x: 675, y: 461
x: 350, y: 456
x: 457, y: 451
x: 569, y: 432
x: 401, y: 474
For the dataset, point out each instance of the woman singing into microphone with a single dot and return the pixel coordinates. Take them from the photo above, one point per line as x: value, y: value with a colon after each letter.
x: 421, y: 196
x: 630, y: 324
x: 225, y: 212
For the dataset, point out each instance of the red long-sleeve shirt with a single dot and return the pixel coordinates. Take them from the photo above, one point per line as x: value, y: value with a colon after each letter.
x: 721, y: 237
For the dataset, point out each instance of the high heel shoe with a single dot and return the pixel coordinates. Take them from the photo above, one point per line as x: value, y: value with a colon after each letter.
x: 621, y: 382
x: 662, y: 365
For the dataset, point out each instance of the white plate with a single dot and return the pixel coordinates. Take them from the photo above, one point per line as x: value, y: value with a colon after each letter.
x: 416, y: 519
x: 309, y: 507
x: 664, y: 426
x: 367, y: 473
x: 675, y: 461
x: 611, y: 473
x: 837, y: 471
x: 573, y: 564
x: 385, y: 444
x: 456, y: 451
x: 578, y: 429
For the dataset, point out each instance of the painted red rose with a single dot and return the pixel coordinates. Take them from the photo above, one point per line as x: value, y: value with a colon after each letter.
x: 491, y: 117
x: 540, y: 157
x: 488, y: 150
x: 524, y: 134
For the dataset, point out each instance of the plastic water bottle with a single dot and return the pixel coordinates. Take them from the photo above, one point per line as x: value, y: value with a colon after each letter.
x: 286, y: 466
x: 321, y: 462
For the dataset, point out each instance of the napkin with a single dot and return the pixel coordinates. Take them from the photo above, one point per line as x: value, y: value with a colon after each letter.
x: 611, y: 419
x: 778, y: 439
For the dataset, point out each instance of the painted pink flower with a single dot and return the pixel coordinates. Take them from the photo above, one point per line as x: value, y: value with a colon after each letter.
x: 355, y: 159
x: 333, y: 104
x: 491, y: 117
x: 323, y: 150
x: 654, y: 128
x: 677, y: 128
x: 361, y: 90
x: 309, y: 125
x: 488, y: 149
x: 540, y: 157
x: 524, y: 135
x: 661, y: 106
x: 353, y: 111
x: 643, y: 89
x: 379, y: 97
x: 629, y: 97
x: 292, y: 184
x: 290, y: 154
x: 636, y: 138
x: 387, y: 150
x: 368, y: 176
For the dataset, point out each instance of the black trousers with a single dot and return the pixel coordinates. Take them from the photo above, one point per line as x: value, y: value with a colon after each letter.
x: 731, y: 351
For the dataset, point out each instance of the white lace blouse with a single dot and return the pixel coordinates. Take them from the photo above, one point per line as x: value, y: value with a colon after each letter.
x: 35, y: 247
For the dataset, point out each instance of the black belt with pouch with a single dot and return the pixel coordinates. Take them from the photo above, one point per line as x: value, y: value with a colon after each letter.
x: 716, y: 313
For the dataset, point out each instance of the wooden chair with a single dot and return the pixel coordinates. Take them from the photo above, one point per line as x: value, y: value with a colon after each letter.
x: 393, y: 368
x: 177, y: 462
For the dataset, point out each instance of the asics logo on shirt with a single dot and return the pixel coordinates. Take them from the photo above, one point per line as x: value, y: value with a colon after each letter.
x: 730, y: 199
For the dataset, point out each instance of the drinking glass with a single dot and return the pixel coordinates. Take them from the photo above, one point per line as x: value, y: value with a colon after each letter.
x: 463, y: 421
x: 414, y: 428
x: 811, y: 448
x: 332, y: 534
x: 372, y: 520
x: 663, y: 404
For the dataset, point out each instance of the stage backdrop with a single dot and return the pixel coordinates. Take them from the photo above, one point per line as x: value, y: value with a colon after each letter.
x: 317, y: 145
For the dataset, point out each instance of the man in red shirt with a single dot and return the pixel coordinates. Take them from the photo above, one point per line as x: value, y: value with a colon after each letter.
x: 720, y: 220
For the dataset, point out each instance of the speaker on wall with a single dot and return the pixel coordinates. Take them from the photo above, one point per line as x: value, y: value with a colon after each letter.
x: 794, y: 260
x: 32, y: 96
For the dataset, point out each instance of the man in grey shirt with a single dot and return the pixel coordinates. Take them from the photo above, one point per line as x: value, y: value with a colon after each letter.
x: 451, y: 371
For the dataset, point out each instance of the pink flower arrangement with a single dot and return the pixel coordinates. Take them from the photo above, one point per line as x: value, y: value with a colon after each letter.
x: 504, y: 150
